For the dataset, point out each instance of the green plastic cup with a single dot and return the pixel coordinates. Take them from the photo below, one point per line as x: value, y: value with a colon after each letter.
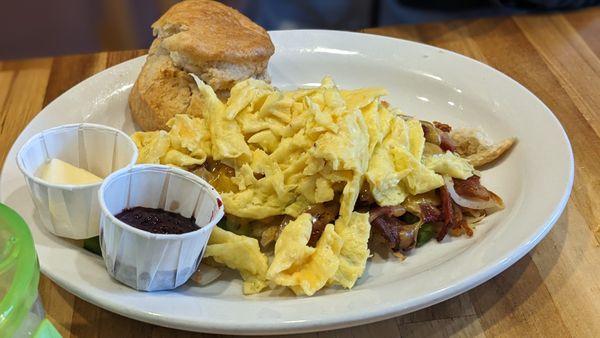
x: 21, y: 312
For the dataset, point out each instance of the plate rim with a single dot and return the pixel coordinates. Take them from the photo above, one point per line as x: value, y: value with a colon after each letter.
x: 360, y: 318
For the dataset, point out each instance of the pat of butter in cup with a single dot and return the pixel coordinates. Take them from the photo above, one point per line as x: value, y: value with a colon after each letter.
x: 59, y: 172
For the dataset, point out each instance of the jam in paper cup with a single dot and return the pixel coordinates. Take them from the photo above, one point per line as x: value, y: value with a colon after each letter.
x: 155, y: 261
x: 67, y: 210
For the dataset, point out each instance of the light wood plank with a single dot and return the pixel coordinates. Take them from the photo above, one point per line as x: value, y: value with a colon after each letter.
x: 27, y: 64
x: 573, y: 63
x: 517, y: 302
x: 6, y: 80
x: 568, y: 261
x: 569, y: 58
x: 23, y: 101
x: 450, y: 327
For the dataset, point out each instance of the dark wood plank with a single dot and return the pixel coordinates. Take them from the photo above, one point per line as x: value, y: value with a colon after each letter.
x: 67, y: 71
x: 587, y: 24
x: 115, y: 58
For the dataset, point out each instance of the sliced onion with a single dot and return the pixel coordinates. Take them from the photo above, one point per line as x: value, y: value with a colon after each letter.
x: 206, y: 274
x: 493, y: 202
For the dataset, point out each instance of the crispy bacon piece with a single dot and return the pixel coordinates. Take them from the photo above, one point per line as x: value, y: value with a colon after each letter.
x: 447, y: 213
x: 455, y: 231
x: 471, y: 188
x: 323, y: 214
x: 395, y: 211
x: 387, y: 227
x: 442, y: 126
x: 460, y: 224
x: 452, y: 216
x: 468, y: 230
x: 430, y: 213
x: 457, y: 221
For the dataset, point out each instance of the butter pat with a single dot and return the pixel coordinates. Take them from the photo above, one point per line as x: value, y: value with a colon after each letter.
x: 59, y: 172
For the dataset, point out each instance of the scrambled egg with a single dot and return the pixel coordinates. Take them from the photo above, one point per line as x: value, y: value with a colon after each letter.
x: 291, y: 150
x: 339, y: 257
x: 355, y: 251
x: 304, y: 269
x: 240, y: 253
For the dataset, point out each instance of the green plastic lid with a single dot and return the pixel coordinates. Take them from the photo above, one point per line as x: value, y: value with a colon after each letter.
x: 19, y: 271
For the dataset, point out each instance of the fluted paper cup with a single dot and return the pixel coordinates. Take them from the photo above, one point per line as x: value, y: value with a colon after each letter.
x: 72, y: 211
x: 148, y: 261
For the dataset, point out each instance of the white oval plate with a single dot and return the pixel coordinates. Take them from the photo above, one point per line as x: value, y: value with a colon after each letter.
x: 431, y: 83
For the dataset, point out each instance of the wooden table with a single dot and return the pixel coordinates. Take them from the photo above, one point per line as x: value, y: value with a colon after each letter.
x: 552, y: 291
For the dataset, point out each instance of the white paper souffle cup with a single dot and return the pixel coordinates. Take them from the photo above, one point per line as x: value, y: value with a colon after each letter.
x: 72, y: 211
x: 148, y: 261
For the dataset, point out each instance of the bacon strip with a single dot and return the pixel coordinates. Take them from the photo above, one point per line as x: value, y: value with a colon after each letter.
x: 457, y: 221
x: 471, y: 188
x: 387, y: 227
x: 430, y: 213
x: 447, y: 213
x: 468, y: 230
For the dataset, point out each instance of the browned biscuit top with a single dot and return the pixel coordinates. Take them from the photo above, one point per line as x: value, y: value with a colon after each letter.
x: 203, y: 30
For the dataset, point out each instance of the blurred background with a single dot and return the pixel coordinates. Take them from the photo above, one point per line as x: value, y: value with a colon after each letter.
x: 41, y: 27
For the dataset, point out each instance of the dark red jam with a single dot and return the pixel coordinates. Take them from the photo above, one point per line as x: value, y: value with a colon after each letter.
x: 157, y: 221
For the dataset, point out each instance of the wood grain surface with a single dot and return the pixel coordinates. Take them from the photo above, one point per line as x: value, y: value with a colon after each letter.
x: 553, y: 291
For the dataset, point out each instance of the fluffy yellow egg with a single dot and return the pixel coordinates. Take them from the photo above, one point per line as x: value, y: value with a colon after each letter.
x: 288, y: 150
